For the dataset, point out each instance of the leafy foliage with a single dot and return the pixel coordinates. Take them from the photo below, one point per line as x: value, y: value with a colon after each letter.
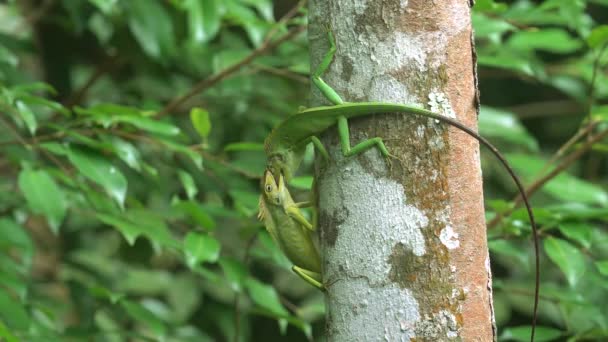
x: 130, y: 214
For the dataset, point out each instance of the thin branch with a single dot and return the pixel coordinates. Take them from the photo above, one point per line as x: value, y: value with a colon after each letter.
x: 283, y: 73
x: 566, y: 146
x: 537, y: 184
x: 290, y: 14
x: 228, y: 165
x: 104, y: 67
x: 208, y: 82
x: 25, y: 143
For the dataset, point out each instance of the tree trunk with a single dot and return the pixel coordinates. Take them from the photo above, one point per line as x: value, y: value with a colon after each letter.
x: 404, y: 247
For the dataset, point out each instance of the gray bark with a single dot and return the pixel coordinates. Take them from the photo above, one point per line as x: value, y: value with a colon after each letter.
x: 404, y: 247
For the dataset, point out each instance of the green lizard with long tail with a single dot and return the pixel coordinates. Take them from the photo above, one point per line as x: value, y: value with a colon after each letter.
x: 286, y: 144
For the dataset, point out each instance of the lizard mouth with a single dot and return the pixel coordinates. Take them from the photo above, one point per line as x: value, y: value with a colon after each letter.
x: 269, y: 173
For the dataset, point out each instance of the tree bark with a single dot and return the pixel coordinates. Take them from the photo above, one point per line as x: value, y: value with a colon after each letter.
x: 404, y: 247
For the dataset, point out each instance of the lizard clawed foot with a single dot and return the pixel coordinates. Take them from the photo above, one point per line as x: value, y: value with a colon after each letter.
x: 389, y: 161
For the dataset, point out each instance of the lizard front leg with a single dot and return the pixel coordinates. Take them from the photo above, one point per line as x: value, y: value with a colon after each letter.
x: 294, y: 212
x: 361, y: 147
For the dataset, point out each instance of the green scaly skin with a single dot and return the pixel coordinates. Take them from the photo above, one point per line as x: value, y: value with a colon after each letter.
x: 286, y: 144
x: 289, y: 229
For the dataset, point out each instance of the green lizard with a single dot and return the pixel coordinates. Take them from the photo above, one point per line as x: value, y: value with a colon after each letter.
x: 289, y: 229
x: 285, y: 145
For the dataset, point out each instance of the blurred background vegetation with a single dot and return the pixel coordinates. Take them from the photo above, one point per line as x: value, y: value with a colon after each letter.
x: 131, y: 145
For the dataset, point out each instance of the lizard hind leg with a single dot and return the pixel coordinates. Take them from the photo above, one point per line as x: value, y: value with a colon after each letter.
x: 313, y: 278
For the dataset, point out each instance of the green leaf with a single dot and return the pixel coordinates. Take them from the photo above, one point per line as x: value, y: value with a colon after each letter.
x: 55, y: 148
x: 13, y: 313
x: 149, y: 125
x: 193, y: 155
x: 564, y: 186
x: 509, y: 61
x: 504, y: 125
x: 126, y: 152
x: 6, y: 56
x: 40, y: 101
x: 491, y: 28
x: 266, y: 297
x: 6, y: 334
x: 598, y: 37
x: 34, y: 87
x: 137, y: 223
x: 567, y: 257
x: 197, y: 213
x: 203, y: 19
x: 145, y: 317
x: 509, y: 250
x: 234, y: 271
x: 602, y: 267
x: 489, y: 5
x: 102, y: 292
x: 227, y: 58
x: 246, y: 202
x: 248, y: 19
x: 522, y: 333
x: 200, y: 248
x: 188, y: 183
x: 107, y: 114
x: 552, y: 40
x: 581, y: 232
x: 101, y: 171
x: 43, y: 196
x: 27, y: 116
x: 15, y: 237
x: 600, y: 113
x: 152, y: 27
x: 244, y: 146
x: 302, y: 182
x: 184, y: 295
x: 200, y: 121
x: 106, y: 6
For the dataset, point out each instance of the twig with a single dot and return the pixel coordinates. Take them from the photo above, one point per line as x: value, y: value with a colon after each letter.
x: 572, y: 157
x: 77, y: 96
x: 228, y: 165
x: 283, y: 73
x: 25, y: 143
x: 566, y: 146
x: 208, y: 82
x: 290, y: 14
x: 537, y: 184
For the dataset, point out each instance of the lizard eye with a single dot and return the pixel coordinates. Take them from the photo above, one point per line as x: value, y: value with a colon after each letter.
x: 268, y: 188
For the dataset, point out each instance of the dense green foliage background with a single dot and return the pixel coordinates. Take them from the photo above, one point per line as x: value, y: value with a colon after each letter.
x: 123, y: 219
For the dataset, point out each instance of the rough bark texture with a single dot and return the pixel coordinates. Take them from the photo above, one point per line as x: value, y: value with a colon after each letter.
x: 404, y: 248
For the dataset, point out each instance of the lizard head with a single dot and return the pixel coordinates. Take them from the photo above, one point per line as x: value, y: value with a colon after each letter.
x: 272, y: 188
